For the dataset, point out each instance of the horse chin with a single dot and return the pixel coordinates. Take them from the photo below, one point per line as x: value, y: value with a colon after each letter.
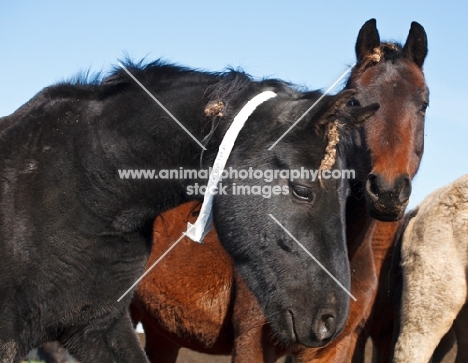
x: 387, y: 214
x: 288, y: 336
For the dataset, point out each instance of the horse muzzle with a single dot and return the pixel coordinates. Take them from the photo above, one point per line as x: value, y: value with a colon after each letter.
x: 387, y: 201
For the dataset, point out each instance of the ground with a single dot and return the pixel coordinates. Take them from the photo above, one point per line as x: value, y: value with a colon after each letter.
x: 188, y: 356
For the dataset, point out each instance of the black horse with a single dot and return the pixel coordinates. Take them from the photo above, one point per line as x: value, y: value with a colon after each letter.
x: 74, y: 236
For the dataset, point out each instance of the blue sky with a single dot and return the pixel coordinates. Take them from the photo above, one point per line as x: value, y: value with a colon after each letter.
x: 310, y: 44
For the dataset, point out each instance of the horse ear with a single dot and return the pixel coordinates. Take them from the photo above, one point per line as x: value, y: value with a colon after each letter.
x: 416, y: 45
x: 339, y: 101
x: 368, y: 39
x: 361, y: 114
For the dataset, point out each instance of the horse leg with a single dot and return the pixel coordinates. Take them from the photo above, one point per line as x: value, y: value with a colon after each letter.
x: 9, y: 351
x: 116, y: 344
x: 248, y: 348
x: 251, y: 344
x: 382, y: 331
x: 52, y: 352
x: 382, y: 349
x: 461, y: 332
x: 444, y: 347
x: 359, y: 353
x: 158, y: 348
x: 363, y: 288
x: 135, y: 314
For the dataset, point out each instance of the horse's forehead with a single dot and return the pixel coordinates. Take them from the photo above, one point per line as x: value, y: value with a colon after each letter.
x: 403, y: 76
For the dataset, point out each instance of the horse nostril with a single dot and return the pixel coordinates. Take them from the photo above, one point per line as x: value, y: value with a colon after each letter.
x: 326, y: 327
x: 372, y: 186
x: 405, y: 190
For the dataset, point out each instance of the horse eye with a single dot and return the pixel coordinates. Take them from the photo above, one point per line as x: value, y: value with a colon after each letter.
x: 303, y: 194
x: 424, y: 107
x: 353, y: 103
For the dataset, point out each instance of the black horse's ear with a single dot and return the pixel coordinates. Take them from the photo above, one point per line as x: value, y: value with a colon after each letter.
x: 368, y: 39
x: 353, y: 117
x: 416, y: 45
x: 339, y: 101
x: 361, y: 114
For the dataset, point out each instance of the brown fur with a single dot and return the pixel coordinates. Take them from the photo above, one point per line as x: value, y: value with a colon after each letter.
x: 224, y: 317
x: 182, y: 279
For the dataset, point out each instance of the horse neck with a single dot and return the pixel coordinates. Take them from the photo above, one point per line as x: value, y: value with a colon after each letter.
x: 172, y: 150
x: 362, y: 229
x: 383, y: 238
x: 359, y: 225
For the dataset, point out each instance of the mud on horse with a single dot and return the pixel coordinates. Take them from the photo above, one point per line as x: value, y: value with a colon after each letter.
x: 386, y: 155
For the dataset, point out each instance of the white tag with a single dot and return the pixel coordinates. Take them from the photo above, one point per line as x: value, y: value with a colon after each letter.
x: 197, y: 231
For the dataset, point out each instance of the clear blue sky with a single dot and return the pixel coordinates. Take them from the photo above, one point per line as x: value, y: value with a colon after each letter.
x: 306, y: 42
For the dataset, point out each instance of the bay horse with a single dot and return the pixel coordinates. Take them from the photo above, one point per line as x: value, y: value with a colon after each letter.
x: 75, y: 234
x: 393, y: 71
x: 434, y: 263
x: 386, y: 153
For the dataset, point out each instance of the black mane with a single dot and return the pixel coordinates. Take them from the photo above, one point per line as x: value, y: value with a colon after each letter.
x: 227, y: 84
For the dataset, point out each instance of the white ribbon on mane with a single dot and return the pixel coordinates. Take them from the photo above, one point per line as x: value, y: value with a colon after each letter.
x: 197, y: 231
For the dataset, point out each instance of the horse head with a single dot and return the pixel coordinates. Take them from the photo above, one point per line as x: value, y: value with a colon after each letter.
x: 393, y: 139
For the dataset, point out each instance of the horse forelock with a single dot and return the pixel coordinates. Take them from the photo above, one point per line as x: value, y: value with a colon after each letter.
x: 387, y: 51
x: 333, y: 138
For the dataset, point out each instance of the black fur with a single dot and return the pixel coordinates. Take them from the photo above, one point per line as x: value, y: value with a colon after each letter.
x: 74, y: 237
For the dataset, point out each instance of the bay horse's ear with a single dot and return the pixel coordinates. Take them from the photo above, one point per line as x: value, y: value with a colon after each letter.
x: 368, y: 39
x: 416, y: 45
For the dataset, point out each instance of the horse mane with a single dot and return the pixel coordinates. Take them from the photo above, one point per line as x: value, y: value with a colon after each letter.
x: 227, y: 85
x: 158, y: 70
x: 223, y: 93
x: 222, y: 97
x: 233, y: 84
x: 97, y: 85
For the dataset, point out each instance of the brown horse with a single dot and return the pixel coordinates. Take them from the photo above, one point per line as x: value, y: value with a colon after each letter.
x: 191, y: 297
x: 392, y: 155
x: 223, y: 317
